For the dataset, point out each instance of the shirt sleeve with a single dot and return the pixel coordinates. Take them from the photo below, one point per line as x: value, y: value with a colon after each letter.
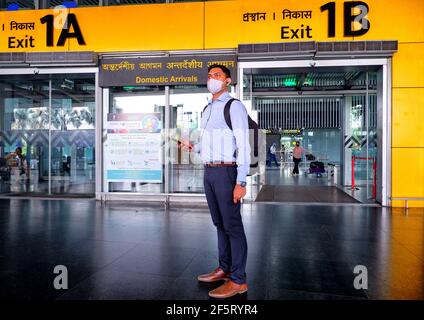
x: 240, y: 124
x: 197, y: 147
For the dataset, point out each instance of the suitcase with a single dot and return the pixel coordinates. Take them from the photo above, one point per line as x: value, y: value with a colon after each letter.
x: 316, y: 167
x: 4, y: 170
x: 4, y: 173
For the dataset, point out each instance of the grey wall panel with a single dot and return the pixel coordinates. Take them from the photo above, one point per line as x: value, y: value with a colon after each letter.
x: 302, y: 112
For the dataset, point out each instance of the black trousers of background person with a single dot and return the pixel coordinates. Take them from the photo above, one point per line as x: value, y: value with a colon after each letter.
x: 296, y: 165
x: 219, y: 183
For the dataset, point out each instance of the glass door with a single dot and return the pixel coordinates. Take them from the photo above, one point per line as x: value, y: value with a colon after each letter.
x: 47, y: 134
x: 133, y: 144
x: 186, y: 168
x: 306, y: 105
x: 73, y: 134
x: 24, y: 123
x: 363, y: 139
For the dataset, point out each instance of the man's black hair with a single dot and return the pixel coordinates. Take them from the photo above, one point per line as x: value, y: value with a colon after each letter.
x: 224, y: 69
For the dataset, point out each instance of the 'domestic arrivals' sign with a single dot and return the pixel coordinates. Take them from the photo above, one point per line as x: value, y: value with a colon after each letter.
x: 181, y: 70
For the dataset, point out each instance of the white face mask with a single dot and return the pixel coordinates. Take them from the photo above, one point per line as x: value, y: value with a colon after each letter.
x: 214, y: 86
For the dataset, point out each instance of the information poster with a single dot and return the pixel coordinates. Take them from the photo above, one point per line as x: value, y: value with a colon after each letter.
x: 132, y: 149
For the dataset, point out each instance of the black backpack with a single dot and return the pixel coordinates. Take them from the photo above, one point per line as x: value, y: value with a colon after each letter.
x: 253, y: 136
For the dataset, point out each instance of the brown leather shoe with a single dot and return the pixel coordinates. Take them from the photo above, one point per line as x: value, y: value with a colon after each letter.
x: 228, y: 289
x: 217, y: 275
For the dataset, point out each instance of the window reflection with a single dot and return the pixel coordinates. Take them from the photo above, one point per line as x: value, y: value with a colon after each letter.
x: 187, y: 104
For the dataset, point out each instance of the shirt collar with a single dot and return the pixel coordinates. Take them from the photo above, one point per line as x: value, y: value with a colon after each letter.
x: 223, y: 97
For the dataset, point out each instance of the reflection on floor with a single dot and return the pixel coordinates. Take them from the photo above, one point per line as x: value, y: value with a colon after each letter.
x: 281, y: 185
x: 81, y: 188
x: 314, y: 194
x: 122, y: 251
x: 283, y: 176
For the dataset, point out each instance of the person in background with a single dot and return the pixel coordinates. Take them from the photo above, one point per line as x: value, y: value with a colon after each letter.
x: 297, y: 157
x: 19, y: 159
x: 272, y: 154
x: 283, y: 153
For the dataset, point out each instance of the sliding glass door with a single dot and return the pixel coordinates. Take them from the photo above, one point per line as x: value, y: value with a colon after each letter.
x: 47, y: 134
x: 363, y: 139
x: 24, y: 124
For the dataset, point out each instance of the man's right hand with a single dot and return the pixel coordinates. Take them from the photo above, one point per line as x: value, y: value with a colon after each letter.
x: 186, y: 146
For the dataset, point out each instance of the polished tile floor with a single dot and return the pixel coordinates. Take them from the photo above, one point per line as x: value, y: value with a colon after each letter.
x: 304, y: 194
x: 130, y: 251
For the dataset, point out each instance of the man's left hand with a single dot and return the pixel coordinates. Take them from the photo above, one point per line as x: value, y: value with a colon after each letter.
x: 238, y: 193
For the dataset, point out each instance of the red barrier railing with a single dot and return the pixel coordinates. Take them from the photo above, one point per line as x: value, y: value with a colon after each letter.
x: 374, y: 167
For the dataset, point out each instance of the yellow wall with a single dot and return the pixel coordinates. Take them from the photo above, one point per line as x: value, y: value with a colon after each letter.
x: 213, y: 25
x: 408, y: 123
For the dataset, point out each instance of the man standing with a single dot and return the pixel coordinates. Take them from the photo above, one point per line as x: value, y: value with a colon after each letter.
x: 272, y: 156
x: 226, y: 155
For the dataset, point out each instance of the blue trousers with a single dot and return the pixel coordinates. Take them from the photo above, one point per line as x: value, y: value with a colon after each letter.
x: 219, y: 183
x: 272, y: 158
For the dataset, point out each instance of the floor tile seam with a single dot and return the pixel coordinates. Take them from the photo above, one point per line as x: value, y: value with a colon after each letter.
x: 413, y: 253
x: 112, y: 241
x: 303, y: 259
x: 202, y: 231
x: 325, y: 204
x: 104, y: 267
x: 340, y: 238
x: 98, y: 270
x: 99, y: 239
x: 78, y: 283
x: 386, y: 280
x: 320, y: 293
x: 138, y: 273
x: 153, y: 243
x: 191, y: 260
x: 109, y: 265
x: 354, y: 263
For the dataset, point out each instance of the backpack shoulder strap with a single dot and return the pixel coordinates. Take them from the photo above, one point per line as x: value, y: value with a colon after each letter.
x: 227, y: 115
x: 205, y: 108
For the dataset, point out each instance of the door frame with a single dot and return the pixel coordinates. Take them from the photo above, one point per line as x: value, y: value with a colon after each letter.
x: 384, y: 113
